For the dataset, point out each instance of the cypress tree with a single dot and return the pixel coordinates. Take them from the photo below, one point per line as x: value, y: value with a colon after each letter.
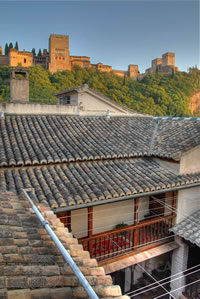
x: 10, y: 46
x: 39, y: 52
x: 16, y: 46
x: 33, y: 51
x: 6, y: 49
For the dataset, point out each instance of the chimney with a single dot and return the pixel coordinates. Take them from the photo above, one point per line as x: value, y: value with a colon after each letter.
x: 19, y: 85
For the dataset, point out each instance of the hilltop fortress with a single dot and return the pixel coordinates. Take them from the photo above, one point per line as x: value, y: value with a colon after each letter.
x: 58, y: 58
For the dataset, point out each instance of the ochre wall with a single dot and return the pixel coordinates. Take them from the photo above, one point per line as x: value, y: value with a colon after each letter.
x: 23, y: 58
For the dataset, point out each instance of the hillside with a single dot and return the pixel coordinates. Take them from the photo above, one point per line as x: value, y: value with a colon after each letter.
x: 155, y: 94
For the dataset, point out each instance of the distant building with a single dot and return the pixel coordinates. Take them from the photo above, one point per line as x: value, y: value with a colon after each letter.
x: 58, y: 58
x: 166, y: 64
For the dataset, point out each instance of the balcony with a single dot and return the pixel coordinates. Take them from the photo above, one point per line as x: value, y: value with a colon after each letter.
x: 132, y: 238
x: 148, y: 222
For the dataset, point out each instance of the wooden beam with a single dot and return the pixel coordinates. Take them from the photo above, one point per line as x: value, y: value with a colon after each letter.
x: 136, y: 221
x: 174, y: 195
x: 136, y: 206
x: 90, y: 229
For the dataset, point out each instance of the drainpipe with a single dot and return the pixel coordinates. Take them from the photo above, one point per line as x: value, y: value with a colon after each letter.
x: 63, y: 251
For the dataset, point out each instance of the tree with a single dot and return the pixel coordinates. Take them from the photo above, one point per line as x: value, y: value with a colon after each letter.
x: 33, y: 51
x: 16, y: 46
x: 10, y: 46
x: 39, y: 52
x: 6, y: 49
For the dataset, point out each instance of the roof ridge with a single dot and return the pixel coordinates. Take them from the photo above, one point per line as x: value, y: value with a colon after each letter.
x: 153, y: 138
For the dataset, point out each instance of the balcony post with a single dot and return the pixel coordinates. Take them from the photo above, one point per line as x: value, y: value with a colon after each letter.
x: 90, y: 228
x: 174, y: 206
x: 136, y: 221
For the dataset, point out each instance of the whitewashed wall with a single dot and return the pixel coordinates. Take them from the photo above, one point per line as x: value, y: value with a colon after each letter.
x: 79, y: 223
x: 107, y: 216
x: 143, y: 208
x: 189, y: 199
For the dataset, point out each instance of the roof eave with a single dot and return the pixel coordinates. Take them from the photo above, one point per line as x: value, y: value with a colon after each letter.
x: 107, y: 201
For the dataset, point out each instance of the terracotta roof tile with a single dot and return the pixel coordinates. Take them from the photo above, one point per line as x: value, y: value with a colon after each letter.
x: 31, y: 265
x: 76, y: 183
x: 33, y: 140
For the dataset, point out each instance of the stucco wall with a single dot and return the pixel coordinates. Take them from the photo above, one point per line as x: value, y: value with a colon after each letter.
x: 36, y: 108
x: 19, y: 90
x: 188, y: 202
x: 91, y: 103
x: 190, y: 161
x: 172, y: 166
x: 189, y: 199
x: 107, y: 216
x: 143, y: 208
x: 79, y: 223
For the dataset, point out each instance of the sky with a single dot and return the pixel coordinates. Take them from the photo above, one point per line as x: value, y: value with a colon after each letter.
x: 116, y: 33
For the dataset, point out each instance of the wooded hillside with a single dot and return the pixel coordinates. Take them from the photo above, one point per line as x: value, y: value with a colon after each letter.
x: 156, y: 94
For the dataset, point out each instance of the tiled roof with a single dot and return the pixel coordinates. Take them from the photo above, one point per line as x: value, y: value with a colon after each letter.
x: 32, y: 140
x: 31, y: 266
x: 176, y: 136
x: 79, y: 183
x: 189, y: 228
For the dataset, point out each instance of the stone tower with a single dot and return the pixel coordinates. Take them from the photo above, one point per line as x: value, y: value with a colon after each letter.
x: 1, y: 51
x: 19, y: 85
x: 133, y: 70
x: 59, y: 53
x: 168, y: 59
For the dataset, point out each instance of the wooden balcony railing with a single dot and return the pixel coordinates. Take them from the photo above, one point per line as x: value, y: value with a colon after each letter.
x: 130, y: 238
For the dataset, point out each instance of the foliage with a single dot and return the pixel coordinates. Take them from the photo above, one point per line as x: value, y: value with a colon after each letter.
x: 10, y: 46
x: 39, y: 52
x: 16, y: 46
x: 33, y: 51
x: 5, y: 82
x: 155, y: 94
x: 6, y: 49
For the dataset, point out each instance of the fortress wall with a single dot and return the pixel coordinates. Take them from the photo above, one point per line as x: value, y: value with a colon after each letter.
x: 120, y: 73
x: 4, y: 60
x: 23, y: 58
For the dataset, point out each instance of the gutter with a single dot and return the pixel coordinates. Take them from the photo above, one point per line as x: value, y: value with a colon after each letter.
x: 107, y: 201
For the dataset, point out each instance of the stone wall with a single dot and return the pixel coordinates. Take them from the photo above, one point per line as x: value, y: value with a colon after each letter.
x: 59, y: 53
x: 4, y: 60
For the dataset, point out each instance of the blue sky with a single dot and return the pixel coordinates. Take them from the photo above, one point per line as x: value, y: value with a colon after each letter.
x: 116, y: 32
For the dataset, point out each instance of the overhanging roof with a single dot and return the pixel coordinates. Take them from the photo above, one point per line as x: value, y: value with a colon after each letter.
x: 189, y: 228
x: 74, y: 184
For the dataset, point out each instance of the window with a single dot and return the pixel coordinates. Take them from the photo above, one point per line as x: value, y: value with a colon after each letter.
x: 65, y: 100
x: 68, y: 99
x: 156, y: 204
x: 24, y: 60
